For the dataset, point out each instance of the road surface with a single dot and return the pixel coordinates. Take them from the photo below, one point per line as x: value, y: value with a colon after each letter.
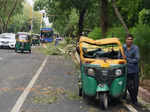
x: 37, y: 83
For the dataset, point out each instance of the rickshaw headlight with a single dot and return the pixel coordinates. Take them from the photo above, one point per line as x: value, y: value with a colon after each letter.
x: 118, y: 72
x: 91, y: 72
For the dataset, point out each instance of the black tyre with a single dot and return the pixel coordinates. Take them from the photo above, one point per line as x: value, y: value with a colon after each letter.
x: 30, y: 51
x: 104, y: 100
x: 80, y: 91
x: 15, y: 50
x: 22, y: 51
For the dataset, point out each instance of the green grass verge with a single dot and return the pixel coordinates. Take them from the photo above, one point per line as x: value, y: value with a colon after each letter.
x: 51, y: 49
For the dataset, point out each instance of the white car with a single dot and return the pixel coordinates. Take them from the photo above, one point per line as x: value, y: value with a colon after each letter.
x: 7, y: 40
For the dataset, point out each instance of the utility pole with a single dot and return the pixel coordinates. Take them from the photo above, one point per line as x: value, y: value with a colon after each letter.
x: 31, y: 30
x: 31, y: 22
x: 42, y: 16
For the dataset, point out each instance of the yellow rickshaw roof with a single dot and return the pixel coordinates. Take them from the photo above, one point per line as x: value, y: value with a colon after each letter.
x: 25, y: 33
x: 100, y: 41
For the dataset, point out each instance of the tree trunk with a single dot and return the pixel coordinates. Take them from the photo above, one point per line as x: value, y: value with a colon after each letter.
x: 1, y: 24
x: 119, y: 16
x: 10, y: 15
x: 80, y: 23
x: 104, y: 16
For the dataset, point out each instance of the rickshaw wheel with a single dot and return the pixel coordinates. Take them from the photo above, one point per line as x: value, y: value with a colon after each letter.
x: 15, y: 50
x: 80, y: 92
x: 30, y: 51
x: 84, y: 95
x: 104, y: 101
x: 22, y: 51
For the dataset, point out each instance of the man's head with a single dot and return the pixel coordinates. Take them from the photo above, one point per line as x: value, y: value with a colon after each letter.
x: 129, y: 40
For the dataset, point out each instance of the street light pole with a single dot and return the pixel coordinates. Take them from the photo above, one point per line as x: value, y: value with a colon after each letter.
x: 31, y: 15
x: 32, y: 21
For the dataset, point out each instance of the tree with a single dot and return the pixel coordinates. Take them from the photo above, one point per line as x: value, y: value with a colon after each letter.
x: 22, y: 21
x: 104, y: 16
x: 9, y: 8
x: 129, y: 10
x: 146, y: 4
x: 119, y: 16
x: 62, y: 9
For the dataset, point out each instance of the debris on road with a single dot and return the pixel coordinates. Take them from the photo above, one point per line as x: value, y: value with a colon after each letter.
x: 50, y: 95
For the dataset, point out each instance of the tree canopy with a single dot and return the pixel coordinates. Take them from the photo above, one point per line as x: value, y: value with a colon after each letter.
x: 9, y: 8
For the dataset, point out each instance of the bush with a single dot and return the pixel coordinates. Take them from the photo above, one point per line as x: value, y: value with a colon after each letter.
x: 144, y: 16
x: 118, y: 32
x: 141, y: 32
x: 68, y: 40
x: 95, y: 34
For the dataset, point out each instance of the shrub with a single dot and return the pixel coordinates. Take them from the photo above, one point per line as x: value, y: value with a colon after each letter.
x: 144, y: 16
x: 118, y: 32
x: 141, y: 32
x: 68, y: 40
x: 95, y: 34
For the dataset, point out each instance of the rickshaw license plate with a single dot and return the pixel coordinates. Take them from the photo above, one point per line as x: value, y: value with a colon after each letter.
x: 101, y: 85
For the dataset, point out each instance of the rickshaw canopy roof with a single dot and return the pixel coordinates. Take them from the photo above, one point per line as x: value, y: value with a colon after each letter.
x: 100, y: 41
x: 23, y: 33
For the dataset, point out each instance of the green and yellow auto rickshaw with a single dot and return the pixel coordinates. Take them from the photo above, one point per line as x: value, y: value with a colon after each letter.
x: 23, y: 42
x: 103, y: 69
x: 35, y: 39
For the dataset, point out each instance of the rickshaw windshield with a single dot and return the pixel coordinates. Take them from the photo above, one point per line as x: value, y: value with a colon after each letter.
x: 110, y: 51
x: 23, y: 37
x: 35, y: 37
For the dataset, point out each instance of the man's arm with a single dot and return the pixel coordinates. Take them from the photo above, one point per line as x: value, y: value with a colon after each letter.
x: 136, y: 58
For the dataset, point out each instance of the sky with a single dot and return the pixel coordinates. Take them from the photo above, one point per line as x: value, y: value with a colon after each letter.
x: 30, y: 2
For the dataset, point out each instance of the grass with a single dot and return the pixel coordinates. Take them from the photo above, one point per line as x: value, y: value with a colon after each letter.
x: 48, y: 96
x: 51, y: 49
x: 72, y: 96
x: 45, y: 100
x: 92, y: 109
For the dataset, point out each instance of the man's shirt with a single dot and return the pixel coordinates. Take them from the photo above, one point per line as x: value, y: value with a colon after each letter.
x: 132, y: 58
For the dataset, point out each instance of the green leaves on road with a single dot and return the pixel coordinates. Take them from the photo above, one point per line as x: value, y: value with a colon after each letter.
x: 52, y: 95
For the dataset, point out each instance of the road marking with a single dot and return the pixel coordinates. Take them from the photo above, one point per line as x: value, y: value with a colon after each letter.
x: 130, y: 107
x: 27, y: 90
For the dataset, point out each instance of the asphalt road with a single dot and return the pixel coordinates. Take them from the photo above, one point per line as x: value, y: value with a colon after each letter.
x: 55, y: 90
x: 16, y: 71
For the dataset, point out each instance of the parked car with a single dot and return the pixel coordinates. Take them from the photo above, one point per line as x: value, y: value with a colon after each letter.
x: 7, y: 40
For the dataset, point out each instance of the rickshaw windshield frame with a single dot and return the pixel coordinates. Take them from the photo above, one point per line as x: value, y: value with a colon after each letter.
x: 111, y: 51
x: 101, y: 42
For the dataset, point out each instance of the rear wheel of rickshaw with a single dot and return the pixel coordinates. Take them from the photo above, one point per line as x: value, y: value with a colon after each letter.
x: 104, y: 100
x: 30, y: 51
x: 80, y: 92
x: 15, y: 50
x: 22, y: 51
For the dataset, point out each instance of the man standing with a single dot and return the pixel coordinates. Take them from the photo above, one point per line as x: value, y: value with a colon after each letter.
x: 132, y: 56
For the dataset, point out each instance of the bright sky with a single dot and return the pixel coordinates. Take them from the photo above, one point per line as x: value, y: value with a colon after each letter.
x: 30, y: 2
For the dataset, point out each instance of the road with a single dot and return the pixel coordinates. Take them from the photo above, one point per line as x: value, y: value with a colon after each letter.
x: 54, y: 89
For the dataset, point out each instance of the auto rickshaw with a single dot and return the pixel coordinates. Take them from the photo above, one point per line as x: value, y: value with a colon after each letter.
x: 35, y: 39
x: 23, y: 42
x: 103, y: 69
